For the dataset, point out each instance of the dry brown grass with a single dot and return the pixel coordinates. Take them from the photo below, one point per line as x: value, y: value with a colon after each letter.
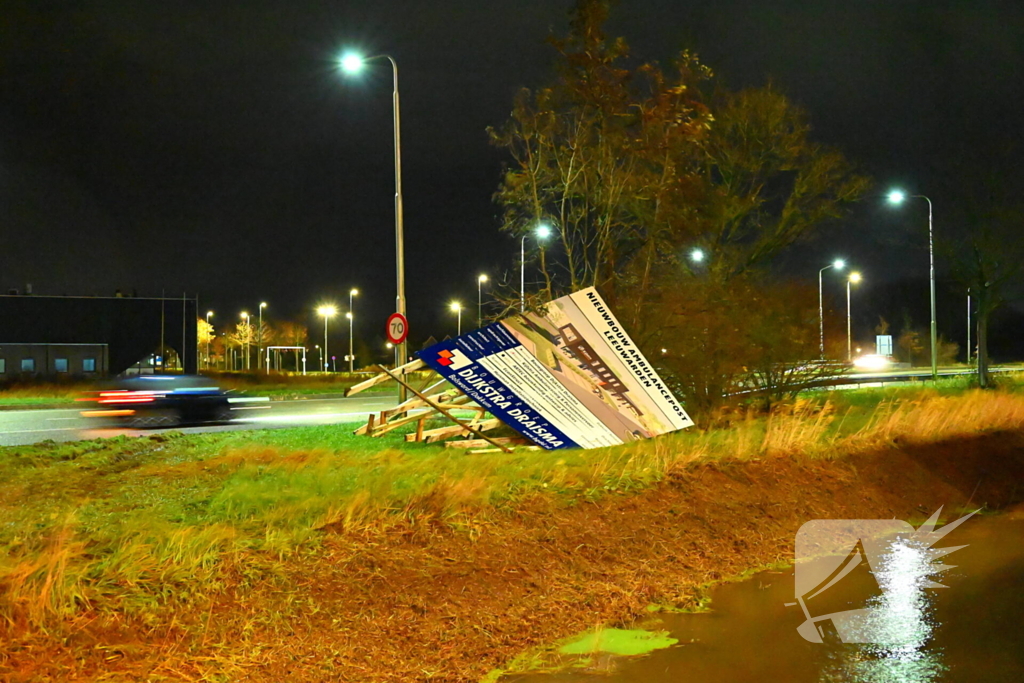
x: 271, y: 510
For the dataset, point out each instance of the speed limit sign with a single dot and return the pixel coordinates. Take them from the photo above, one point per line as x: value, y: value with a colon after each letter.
x: 398, y: 328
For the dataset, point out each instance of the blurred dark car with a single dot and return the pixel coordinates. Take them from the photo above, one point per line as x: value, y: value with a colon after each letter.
x: 162, y: 401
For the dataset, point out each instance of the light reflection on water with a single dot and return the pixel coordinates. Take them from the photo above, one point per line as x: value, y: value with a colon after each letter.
x: 899, y: 621
x: 968, y: 632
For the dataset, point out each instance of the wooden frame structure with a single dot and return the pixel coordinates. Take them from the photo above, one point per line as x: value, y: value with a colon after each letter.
x: 430, y: 401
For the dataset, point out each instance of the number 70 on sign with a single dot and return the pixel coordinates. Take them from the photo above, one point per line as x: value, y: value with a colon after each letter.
x: 398, y: 328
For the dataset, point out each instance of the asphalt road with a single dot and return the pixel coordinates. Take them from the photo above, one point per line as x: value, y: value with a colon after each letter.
x: 20, y: 427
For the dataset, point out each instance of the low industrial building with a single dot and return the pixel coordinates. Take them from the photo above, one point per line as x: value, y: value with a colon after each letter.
x: 59, y: 361
x: 53, y: 337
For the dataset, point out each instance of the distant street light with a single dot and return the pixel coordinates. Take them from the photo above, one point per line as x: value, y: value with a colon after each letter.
x: 390, y: 347
x: 259, y: 353
x: 248, y: 333
x: 480, y: 300
x: 209, y: 314
x: 542, y: 232
x: 351, y: 321
x: 327, y: 311
x: 838, y: 264
x: 896, y: 197
x: 853, y: 279
x: 353, y: 63
x: 456, y: 307
x: 697, y: 255
x: 968, y: 325
x: 321, y: 353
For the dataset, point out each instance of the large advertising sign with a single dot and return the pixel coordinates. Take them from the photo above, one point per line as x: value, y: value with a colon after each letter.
x: 569, y: 379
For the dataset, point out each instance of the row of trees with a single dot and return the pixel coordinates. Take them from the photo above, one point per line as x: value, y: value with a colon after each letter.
x: 248, y: 335
x: 636, y: 166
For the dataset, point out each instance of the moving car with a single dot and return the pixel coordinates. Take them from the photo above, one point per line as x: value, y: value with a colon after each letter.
x: 162, y: 401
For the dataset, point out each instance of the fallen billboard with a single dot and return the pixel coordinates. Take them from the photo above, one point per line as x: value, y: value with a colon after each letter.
x: 571, y: 378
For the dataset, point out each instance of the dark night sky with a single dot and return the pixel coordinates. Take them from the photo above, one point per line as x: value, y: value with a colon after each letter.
x: 212, y: 148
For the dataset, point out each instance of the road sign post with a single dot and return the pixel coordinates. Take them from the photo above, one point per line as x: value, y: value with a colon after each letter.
x: 397, y: 331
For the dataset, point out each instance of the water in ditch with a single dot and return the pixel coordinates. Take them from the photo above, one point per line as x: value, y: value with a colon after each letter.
x: 972, y: 630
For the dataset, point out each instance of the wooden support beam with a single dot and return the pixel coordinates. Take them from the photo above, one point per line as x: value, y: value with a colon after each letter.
x: 445, y: 412
x: 384, y: 377
x: 415, y: 402
x: 366, y: 428
x: 480, y: 443
x: 388, y: 424
x: 392, y: 425
x: 441, y: 433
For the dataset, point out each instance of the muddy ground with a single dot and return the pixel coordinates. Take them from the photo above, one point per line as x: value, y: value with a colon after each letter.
x: 434, y: 601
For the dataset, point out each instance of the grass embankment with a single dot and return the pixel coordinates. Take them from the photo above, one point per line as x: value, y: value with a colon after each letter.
x: 233, y: 555
x: 41, y: 394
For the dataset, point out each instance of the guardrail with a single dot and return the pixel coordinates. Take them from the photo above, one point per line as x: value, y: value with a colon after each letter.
x: 882, y: 378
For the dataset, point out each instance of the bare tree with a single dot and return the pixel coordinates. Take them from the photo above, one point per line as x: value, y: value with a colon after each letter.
x: 987, y: 265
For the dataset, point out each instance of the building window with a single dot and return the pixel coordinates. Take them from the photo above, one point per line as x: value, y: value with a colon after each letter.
x: 3, y: 366
x: 28, y: 364
x: 88, y: 365
x: 60, y: 364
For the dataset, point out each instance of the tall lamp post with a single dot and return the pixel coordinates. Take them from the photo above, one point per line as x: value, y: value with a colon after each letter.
x: 209, y: 314
x: 248, y: 333
x: 259, y: 353
x: 351, y: 318
x: 480, y: 300
x: 351, y: 321
x: 897, y: 197
x: 353, y: 63
x: 853, y: 279
x: 327, y: 312
x: 968, y: 325
x: 456, y: 307
x: 542, y: 232
x: 838, y: 264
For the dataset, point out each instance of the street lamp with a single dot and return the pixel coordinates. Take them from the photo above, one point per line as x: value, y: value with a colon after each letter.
x: 543, y: 231
x: 968, y: 325
x: 853, y: 279
x: 351, y: 321
x: 353, y: 63
x: 838, y: 264
x: 248, y: 333
x: 259, y: 355
x: 896, y: 197
x: 350, y: 358
x: 321, y: 353
x: 456, y: 307
x: 480, y: 300
x: 327, y: 311
x: 209, y: 314
x: 697, y: 255
x: 391, y: 346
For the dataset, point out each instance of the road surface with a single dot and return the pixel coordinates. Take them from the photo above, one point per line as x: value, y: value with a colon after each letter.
x: 20, y: 427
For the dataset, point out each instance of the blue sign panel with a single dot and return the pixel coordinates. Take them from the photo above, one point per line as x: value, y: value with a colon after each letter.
x: 482, y: 363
